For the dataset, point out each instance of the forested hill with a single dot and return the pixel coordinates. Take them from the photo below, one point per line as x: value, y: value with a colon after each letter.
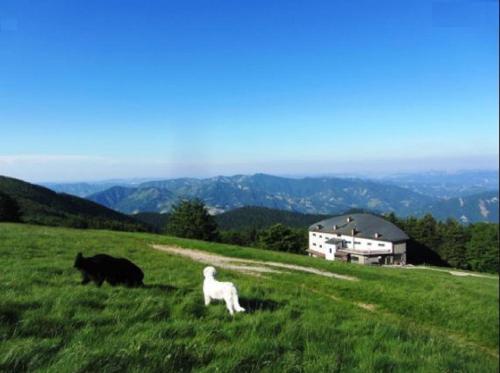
x: 263, y: 217
x: 245, y: 218
x: 154, y: 219
x: 242, y: 219
x: 34, y: 204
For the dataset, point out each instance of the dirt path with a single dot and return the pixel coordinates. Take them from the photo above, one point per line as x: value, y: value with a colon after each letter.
x: 248, y: 266
x: 236, y: 264
x: 460, y: 273
x: 451, y: 272
x: 311, y: 270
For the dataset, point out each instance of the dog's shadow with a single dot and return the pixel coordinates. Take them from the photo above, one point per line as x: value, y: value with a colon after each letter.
x: 252, y: 305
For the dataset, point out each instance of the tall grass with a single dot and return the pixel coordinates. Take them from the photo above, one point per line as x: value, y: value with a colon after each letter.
x: 419, y: 320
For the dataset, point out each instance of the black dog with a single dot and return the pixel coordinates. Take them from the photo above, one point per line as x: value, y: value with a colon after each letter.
x: 104, y: 267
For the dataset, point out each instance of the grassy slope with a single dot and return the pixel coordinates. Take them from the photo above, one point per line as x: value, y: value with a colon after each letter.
x: 423, y: 320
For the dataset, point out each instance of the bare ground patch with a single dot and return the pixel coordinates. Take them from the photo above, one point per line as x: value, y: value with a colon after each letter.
x: 225, y: 262
x: 451, y: 272
x: 245, y: 265
x: 312, y: 270
x: 366, y: 306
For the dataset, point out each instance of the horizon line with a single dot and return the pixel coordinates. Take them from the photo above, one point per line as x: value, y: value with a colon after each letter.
x: 340, y: 175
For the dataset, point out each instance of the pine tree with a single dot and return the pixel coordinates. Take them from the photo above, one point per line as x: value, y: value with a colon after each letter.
x: 190, y: 219
x: 392, y: 218
x: 482, y: 247
x: 426, y: 232
x: 454, y: 238
x: 281, y: 238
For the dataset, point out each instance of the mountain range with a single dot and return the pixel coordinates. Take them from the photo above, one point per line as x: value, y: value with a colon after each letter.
x: 314, y: 195
x: 133, y: 200
x: 468, y: 209
x: 307, y: 195
x: 446, y: 185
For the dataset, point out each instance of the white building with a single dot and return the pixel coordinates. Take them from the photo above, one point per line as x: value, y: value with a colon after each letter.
x: 360, y: 238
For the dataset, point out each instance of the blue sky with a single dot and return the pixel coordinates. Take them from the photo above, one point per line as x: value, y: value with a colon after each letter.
x: 103, y: 89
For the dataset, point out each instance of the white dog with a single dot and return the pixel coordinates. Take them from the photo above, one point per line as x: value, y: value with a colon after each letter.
x: 213, y: 289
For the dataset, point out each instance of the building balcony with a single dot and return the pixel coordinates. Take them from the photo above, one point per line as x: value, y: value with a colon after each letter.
x: 366, y: 251
x: 316, y: 253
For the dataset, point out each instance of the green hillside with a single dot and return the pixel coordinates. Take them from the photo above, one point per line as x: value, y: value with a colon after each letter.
x: 244, y: 218
x: 132, y: 200
x: 155, y: 219
x: 380, y: 319
x: 39, y: 205
x: 262, y: 217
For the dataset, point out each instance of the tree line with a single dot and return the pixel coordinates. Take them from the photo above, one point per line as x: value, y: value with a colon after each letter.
x: 449, y: 243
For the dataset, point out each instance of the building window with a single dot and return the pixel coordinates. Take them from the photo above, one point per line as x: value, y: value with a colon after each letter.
x: 369, y: 243
x: 339, y: 235
x: 381, y: 244
x: 314, y: 234
x: 320, y: 236
x: 354, y: 259
x: 314, y: 243
x: 348, y: 242
x: 330, y: 251
x: 357, y: 242
x: 321, y: 246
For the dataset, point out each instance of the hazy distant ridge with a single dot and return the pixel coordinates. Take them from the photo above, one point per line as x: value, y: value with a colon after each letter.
x: 314, y: 195
x: 307, y: 195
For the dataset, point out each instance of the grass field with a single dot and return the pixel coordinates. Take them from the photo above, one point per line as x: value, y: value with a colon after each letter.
x: 389, y: 320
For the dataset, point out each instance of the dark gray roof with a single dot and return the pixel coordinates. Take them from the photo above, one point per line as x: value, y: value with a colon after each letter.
x: 366, y: 226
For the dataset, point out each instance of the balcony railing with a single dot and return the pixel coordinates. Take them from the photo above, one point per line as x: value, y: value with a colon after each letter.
x: 366, y: 252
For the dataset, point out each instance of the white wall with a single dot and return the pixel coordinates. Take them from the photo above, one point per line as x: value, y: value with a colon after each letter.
x: 366, y: 244
x: 317, y: 243
x: 330, y: 251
